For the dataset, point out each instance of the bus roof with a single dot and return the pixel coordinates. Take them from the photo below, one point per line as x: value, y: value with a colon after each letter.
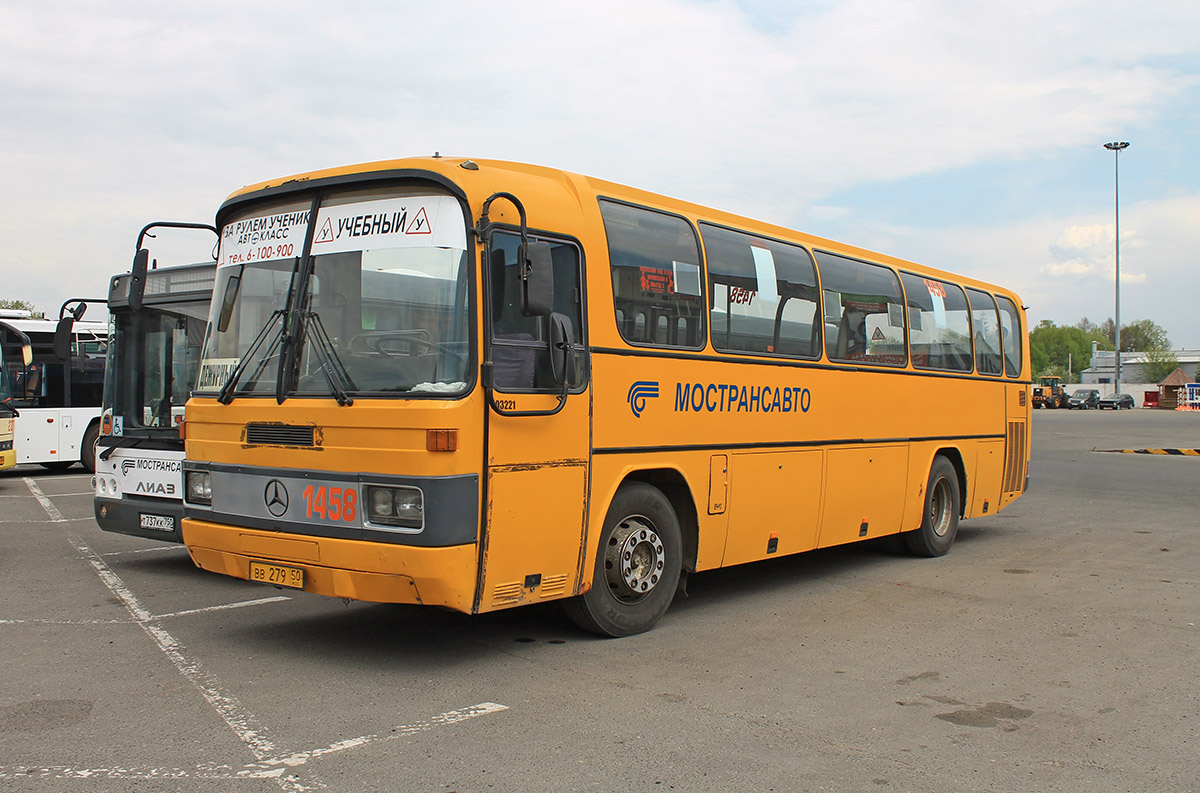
x: 48, y: 325
x: 456, y: 169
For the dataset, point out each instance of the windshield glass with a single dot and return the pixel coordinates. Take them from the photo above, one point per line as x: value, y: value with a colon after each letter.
x: 153, y: 357
x: 385, y: 309
x: 5, y: 388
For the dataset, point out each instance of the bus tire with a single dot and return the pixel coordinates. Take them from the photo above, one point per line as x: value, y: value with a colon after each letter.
x: 637, y: 565
x: 87, y: 455
x: 939, y: 522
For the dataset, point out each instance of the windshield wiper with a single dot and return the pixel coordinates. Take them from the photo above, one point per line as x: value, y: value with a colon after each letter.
x: 226, y: 395
x: 340, y: 382
x: 124, y: 442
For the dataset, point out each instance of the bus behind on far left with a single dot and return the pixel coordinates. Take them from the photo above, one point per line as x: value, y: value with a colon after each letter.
x: 57, y: 394
x: 8, y: 408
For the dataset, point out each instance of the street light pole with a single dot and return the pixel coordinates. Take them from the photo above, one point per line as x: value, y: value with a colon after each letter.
x: 1115, y: 147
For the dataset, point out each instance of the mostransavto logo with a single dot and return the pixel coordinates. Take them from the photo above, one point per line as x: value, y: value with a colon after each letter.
x: 639, y: 392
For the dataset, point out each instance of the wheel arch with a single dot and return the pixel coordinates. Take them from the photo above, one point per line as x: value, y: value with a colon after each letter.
x: 954, y: 455
x: 672, y: 483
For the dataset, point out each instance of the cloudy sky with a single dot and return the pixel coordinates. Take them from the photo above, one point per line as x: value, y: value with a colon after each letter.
x: 968, y: 136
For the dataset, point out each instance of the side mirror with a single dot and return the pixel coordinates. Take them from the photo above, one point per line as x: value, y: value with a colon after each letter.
x: 26, y: 353
x: 137, y: 281
x: 562, y: 347
x: 537, y: 279
x: 62, y: 337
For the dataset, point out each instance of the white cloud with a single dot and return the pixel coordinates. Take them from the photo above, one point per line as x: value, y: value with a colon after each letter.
x: 1062, y: 267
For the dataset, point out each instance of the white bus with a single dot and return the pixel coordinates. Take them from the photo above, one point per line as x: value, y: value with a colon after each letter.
x: 57, y: 396
x: 157, y: 322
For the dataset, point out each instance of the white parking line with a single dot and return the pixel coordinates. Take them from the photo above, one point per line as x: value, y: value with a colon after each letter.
x: 244, y: 725
x: 271, y: 768
x: 63, y: 622
x: 204, y: 610
x: 156, y: 549
x: 270, y: 763
x: 51, y: 510
x: 239, y: 605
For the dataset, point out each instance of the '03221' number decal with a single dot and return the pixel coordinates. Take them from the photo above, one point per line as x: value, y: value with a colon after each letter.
x: 331, y: 503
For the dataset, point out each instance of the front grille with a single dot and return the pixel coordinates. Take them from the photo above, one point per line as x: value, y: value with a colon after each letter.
x: 280, y: 435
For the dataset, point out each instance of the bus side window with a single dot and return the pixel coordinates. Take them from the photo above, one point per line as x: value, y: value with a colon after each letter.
x: 655, y: 261
x: 1010, y: 328
x: 762, y: 294
x: 939, y: 324
x: 985, y: 319
x: 519, y: 353
x: 863, y: 302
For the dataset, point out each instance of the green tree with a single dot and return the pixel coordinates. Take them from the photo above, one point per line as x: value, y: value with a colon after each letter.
x: 1159, y: 364
x: 1065, y: 351
x: 19, y: 304
x: 1144, y: 336
x: 1139, y: 336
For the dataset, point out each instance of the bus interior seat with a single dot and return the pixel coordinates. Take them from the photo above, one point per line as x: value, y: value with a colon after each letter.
x: 513, y: 367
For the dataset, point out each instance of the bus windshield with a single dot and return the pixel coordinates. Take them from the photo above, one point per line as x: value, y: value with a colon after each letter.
x: 6, y: 404
x: 152, y: 364
x: 384, y: 305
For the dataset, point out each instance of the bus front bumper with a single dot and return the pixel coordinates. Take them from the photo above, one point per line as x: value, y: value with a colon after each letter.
x: 354, y: 569
x: 154, y: 519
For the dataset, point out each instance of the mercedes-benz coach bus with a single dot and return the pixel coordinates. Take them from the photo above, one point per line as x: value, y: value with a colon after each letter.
x: 478, y: 384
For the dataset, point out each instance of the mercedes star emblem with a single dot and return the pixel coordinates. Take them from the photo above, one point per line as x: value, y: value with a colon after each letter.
x: 276, y: 498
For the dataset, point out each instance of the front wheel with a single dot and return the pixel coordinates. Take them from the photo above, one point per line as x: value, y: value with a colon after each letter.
x: 87, y: 455
x: 637, y: 565
x: 939, y: 526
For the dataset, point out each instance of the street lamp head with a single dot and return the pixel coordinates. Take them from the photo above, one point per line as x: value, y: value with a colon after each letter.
x: 1116, y: 145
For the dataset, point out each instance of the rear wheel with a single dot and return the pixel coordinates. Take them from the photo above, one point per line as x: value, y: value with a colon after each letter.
x: 637, y: 565
x: 939, y: 526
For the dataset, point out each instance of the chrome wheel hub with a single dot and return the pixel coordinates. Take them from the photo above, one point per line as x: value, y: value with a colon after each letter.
x: 634, y: 560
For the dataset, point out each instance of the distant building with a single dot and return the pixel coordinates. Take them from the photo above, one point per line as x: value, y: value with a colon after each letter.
x: 1133, y: 366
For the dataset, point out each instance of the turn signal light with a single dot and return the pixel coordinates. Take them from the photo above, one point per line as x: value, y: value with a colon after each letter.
x: 441, y: 440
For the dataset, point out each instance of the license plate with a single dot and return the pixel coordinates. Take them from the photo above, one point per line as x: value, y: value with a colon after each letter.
x: 277, y: 574
x: 157, y: 522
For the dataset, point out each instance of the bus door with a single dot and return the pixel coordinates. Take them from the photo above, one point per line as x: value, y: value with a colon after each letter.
x: 538, y: 425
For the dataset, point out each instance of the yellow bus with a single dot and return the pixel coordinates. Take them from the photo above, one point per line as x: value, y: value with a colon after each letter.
x: 8, y: 407
x: 481, y: 384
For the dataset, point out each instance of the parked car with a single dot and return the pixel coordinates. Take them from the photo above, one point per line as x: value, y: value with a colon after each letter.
x: 1115, y: 401
x: 1084, y: 398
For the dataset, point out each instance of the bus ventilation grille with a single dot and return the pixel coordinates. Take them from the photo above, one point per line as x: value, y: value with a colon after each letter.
x: 507, y: 594
x: 280, y: 435
x: 1014, y: 457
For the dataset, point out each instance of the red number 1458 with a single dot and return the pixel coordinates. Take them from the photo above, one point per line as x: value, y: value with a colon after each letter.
x: 331, y: 503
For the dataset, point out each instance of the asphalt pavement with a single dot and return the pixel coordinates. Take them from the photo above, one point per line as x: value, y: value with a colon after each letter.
x: 1053, y: 649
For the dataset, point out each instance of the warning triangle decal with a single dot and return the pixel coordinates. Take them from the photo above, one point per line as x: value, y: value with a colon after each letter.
x: 877, y: 335
x: 419, y: 224
x: 326, y: 234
